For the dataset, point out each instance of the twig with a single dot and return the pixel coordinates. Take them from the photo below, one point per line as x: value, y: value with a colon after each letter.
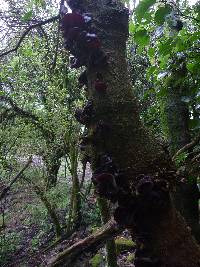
x: 58, y: 37
x: 186, y: 147
x: 5, y: 190
x: 27, y: 31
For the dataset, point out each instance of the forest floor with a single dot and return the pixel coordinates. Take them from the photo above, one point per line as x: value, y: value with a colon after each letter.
x: 28, y: 232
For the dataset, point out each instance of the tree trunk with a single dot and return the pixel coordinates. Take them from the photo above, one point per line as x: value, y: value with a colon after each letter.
x: 176, y: 121
x: 52, y: 161
x: 110, y: 244
x: 74, y: 220
x: 162, y: 235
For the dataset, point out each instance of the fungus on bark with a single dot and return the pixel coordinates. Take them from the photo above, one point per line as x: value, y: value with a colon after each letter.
x: 71, y: 20
x: 73, y: 34
x: 106, y: 164
x: 98, y: 59
x: 76, y: 63
x: 84, y: 115
x: 88, y: 109
x: 83, y: 81
x: 145, y: 185
x: 92, y: 41
x: 100, y: 86
x: 124, y: 216
x: 105, y: 185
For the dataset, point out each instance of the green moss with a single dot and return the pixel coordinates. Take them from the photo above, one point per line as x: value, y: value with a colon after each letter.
x: 130, y: 258
x: 123, y: 244
x: 96, y: 260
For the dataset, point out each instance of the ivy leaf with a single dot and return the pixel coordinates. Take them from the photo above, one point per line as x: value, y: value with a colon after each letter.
x: 142, y: 8
x: 27, y: 16
x: 161, y: 13
x: 142, y: 38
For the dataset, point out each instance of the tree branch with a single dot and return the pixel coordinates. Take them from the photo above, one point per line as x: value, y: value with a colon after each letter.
x: 27, y: 31
x: 186, y: 147
x: 88, y: 245
x: 23, y: 113
x: 5, y: 190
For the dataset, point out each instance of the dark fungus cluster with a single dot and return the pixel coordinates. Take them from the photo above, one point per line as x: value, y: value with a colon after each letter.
x: 81, y: 40
x: 139, y: 210
x: 137, y: 207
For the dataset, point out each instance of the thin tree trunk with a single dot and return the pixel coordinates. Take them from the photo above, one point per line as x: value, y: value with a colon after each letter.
x: 176, y: 121
x: 52, y: 167
x: 74, y: 219
x: 110, y: 244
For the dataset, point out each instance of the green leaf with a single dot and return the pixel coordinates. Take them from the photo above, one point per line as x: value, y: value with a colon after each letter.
x: 151, y: 70
x: 27, y: 16
x: 194, y: 124
x: 132, y: 27
x: 162, y: 92
x: 192, y: 66
x: 161, y: 13
x: 165, y: 48
x: 142, y: 8
x: 151, y: 52
x: 142, y: 38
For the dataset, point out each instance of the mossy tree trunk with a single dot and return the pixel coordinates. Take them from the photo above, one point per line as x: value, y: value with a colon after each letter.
x: 176, y: 121
x: 52, y: 161
x: 110, y: 244
x: 74, y: 219
x: 160, y: 231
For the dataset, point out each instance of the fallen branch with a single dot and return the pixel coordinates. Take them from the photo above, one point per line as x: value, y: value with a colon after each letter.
x: 88, y: 245
x: 186, y: 147
x: 7, y: 188
x: 27, y: 31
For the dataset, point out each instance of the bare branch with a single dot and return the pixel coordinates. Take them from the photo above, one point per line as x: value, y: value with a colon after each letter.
x: 27, y: 31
